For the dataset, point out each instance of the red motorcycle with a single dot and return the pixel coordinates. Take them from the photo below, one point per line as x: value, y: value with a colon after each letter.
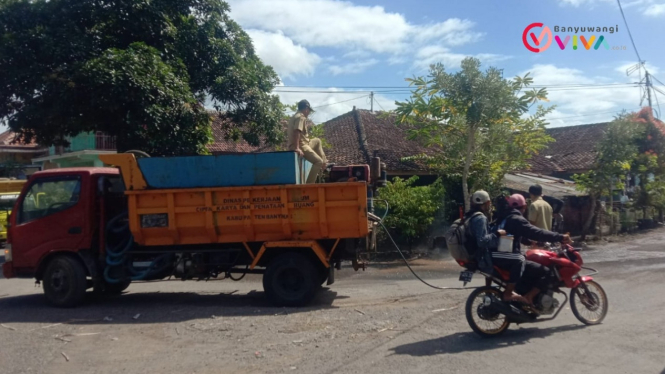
x: 488, y: 315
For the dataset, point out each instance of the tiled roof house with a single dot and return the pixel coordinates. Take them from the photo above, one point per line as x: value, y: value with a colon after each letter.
x: 357, y: 136
x: 573, y: 150
x: 12, y: 150
x: 354, y: 138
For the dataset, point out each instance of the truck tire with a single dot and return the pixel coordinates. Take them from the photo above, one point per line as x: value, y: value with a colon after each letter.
x: 321, y: 274
x: 64, y: 282
x: 291, y: 280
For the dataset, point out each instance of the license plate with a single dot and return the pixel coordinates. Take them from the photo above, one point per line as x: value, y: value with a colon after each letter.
x: 465, y: 276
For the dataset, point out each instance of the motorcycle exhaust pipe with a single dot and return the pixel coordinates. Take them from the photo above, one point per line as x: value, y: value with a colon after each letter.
x: 513, y: 313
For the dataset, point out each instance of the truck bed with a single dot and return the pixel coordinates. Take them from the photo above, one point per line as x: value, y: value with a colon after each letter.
x: 187, y: 216
x: 248, y: 214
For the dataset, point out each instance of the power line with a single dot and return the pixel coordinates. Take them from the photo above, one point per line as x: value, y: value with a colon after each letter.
x: 587, y: 115
x: 408, y: 91
x: 658, y: 80
x: 413, y: 87
x: 380, y: 106
x: 629, y: 34
x: 339, y: 102
x: 658, y: 90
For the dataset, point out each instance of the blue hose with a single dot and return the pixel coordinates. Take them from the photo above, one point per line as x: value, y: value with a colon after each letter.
x: 117, y: 255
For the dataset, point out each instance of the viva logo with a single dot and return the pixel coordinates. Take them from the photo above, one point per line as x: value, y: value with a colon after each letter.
x: 543, y: 41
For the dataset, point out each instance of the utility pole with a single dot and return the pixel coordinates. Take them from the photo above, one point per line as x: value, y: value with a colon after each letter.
x: 648, y: 83
x: 371, y: 99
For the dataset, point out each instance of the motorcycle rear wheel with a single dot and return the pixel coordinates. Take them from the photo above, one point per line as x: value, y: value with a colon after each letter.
x: 483, y: 322
x: 589, y: 304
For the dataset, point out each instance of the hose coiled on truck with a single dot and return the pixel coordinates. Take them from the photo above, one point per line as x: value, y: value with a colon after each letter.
x: 118, y: 257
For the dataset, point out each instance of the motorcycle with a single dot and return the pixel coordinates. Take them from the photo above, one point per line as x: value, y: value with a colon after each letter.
x: 488, y: 315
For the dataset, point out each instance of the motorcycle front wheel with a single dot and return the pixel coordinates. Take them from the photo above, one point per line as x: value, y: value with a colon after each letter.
x: 483, y: 321
x: 588, y: 302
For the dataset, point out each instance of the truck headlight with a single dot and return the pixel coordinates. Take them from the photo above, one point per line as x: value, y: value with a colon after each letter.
x: 8, y: 252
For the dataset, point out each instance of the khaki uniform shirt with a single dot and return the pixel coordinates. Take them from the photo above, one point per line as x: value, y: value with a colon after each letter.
x: 540, y: 214
x: 297, y: 122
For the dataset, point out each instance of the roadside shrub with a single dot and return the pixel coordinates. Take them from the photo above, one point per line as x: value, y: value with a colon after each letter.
x: 411, y: 209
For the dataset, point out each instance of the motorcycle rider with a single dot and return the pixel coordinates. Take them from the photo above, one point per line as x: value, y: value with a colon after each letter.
x: 514, y: 223
x: 486, y: 241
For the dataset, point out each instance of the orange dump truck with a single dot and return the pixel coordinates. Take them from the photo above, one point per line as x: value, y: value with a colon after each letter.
x: 80, y: 228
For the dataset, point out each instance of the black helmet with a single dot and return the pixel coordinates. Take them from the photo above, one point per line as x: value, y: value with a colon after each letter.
x: 304, y: 104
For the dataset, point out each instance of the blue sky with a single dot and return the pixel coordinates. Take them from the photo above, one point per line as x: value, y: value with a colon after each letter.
x: 327, y: 45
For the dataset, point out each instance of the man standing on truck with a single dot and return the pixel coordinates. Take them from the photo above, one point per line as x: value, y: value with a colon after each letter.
x: 298, y: 137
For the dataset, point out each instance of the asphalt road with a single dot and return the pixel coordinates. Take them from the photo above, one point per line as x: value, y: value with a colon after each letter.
x: 378, y: 321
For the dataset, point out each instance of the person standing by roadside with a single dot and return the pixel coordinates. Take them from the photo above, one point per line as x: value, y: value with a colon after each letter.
x: 540, y: 212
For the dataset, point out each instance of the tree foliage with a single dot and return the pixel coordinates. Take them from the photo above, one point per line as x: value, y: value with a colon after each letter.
x: 411, y: 209
x: 477, y: 121
x: 140, y: 70
x: 615, y: 154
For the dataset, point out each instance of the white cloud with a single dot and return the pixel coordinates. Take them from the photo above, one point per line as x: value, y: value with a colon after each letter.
x: 332, y: 104
x: 341, y: 24
x: 353, y: 67
x: 655, y: 10
x: 588, y: 104
x: 453, y: 32
x: 432, y: 54
x: 354, y: 33
x: 287, y: 58
x: 325, y: 23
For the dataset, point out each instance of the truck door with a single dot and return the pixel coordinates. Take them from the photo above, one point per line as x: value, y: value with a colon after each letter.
x: 51, y: 216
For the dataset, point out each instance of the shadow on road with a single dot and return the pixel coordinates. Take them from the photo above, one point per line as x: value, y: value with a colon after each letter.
x: 470, y: 342
x: 154, y: 307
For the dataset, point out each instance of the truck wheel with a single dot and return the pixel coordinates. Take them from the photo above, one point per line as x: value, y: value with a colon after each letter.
x: 291, y: 280
x: 322, y: 274
x: 64, y: 282
x: 116, y: 288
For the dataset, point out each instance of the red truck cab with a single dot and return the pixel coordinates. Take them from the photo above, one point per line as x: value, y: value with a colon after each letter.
x: 58, y: 215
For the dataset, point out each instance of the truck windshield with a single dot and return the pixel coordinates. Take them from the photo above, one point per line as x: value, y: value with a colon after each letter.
x: 7, y: 201
x: 46, y: 197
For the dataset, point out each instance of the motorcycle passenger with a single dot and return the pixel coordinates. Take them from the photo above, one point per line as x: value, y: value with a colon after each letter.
x: 535, y: 275
x: 485, y: 241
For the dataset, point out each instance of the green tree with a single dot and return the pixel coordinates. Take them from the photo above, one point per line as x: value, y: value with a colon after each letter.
x: 140, y: 70
x: 476, y: 121
x: 411, y: 209
x: 615, y: 153
x: 650, y: 159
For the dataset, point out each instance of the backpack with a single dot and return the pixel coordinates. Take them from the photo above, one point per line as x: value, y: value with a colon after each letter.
x: 456, y: 240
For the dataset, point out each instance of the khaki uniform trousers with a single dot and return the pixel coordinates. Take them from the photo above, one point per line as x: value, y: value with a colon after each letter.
x: 314, y: 154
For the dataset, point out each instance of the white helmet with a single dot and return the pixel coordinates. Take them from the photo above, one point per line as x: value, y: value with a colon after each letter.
x: 480, y: 197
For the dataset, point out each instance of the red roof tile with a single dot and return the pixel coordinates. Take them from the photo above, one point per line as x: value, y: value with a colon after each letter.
x: 9, y: 139
x: 572, y: 150
x: 382, y: 136
x: 342, y: 133
x: 222, y: 144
